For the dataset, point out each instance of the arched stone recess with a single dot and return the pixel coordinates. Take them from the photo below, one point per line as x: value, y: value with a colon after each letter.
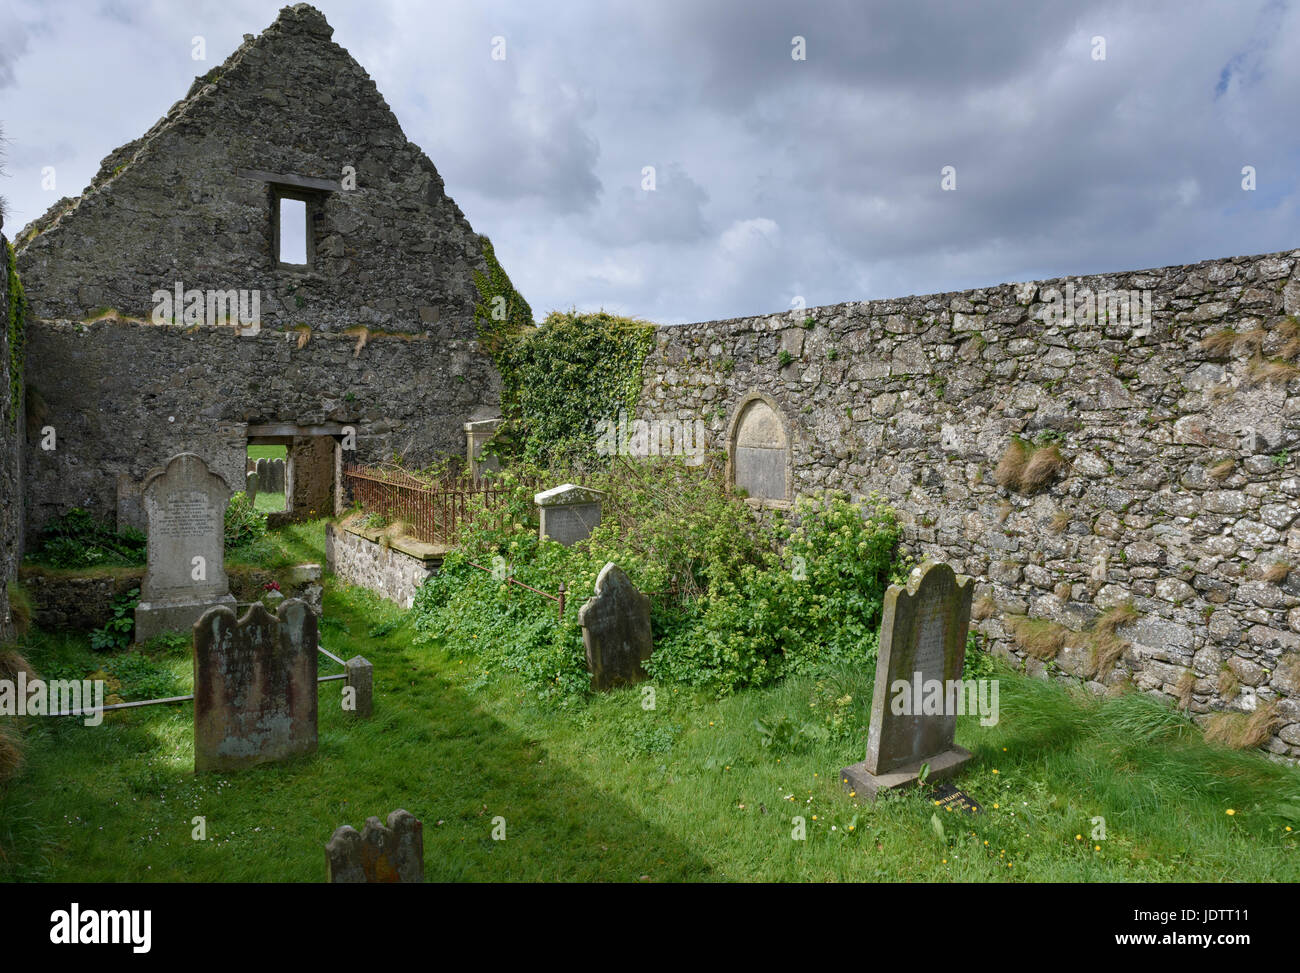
x: 760, y: 448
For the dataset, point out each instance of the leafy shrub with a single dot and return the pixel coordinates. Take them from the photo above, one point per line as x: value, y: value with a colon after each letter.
x: 733, y: 603
x: 116, y: 633
x: 244, y: 523
x: 77, y: 539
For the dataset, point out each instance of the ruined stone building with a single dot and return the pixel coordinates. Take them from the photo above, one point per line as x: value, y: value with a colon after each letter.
x: 136, y: 349
x: 1168, y: 398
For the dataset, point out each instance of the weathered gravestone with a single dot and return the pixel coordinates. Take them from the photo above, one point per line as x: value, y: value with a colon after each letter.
x: 185, y: 509
x: 254, y: 686
x: 378, y: 854
x: 361, y: 680
x: 477, y: 435
x: 250, y: 486
x: 616, y: 630
x: 922, y: 644
x: 568, y: 513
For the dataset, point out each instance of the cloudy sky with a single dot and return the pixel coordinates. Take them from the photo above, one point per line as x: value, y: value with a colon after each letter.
x: 776, y: 178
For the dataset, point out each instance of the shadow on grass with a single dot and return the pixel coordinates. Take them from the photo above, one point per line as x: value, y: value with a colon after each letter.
x: 119, y: 802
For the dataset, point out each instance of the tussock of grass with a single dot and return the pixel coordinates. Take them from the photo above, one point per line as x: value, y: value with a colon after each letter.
x: 1025, y: 468
x: 1277, y: 572
x: 1043, y: 466
x: 1228, y: 683
x: 1116, y: 617
x: 1185, y: 687
x: 1272, y: 371
x: 1139, y: 717
x: 1221, y: 343
x: 11, y: 663
x: 1237, y: 731
x: 1106, y: 650
x: 1038, y: 637
x: 1011, y: 467
x: 1106, y: 645
x: 1289, y: 331
x: 1253, y: 340
x: 1222, y: 470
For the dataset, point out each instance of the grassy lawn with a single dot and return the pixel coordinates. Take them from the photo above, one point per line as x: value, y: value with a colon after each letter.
x: 268, y: 452
x: 269, y: 503
x: 608, y: 790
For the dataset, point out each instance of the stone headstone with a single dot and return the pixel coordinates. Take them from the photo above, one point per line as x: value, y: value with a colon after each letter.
x: 391, y: 853
x: 361, y: 677
x: 277, y: 476
x: 568, y: 513
x: 264, y: 476
x: 616, y: 630
x: 922, y: 641
x: 477, y: 435
x: 250, y: 485
x: 254, y: 686
x: 185, y: 512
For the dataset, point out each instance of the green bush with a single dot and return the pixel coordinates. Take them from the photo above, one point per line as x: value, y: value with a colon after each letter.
x: 78, y: 539
x: 560, y: 379
x: 734, y: 603
x: 116, y: 633
x: 244, y: 522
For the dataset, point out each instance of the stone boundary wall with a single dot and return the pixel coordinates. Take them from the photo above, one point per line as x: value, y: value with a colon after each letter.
x: 1180, y: 491
x: 122, y: 397
x: 389, y: 571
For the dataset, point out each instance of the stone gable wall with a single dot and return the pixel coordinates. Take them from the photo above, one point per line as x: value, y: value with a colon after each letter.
x: 918, y: 398
x: 395, y: 253
x: 122, y: 398
x: 378, y: 333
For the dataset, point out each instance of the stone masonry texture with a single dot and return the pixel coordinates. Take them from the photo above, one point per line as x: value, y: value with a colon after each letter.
x: 917, y: 398
x: 376, y: 333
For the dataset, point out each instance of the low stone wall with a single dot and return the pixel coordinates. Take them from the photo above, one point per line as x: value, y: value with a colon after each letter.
x: 84, y: 602
x: 80, y: 603
x: 392, y: 568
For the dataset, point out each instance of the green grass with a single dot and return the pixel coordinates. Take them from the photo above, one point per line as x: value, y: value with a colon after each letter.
x: 268, y: 452
x: 269, y: 503
x: 608, y: 790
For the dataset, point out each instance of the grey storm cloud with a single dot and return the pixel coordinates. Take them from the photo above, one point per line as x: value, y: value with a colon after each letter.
x: 778, y: 179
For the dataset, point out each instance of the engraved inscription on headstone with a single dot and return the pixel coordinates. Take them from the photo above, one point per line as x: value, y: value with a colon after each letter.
x: 568, y: 513
x: 923, y: 647
x: 255, y: 689
x: 185, y: 575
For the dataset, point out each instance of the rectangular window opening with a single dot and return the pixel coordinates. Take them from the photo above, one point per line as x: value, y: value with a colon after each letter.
x: 293, y: 231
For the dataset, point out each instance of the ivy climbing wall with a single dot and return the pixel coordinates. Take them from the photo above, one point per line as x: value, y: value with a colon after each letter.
x: 11, y: 418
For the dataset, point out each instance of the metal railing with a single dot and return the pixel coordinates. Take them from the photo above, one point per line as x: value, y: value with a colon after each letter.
x: 433, y: 512
x: 190, y: 696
